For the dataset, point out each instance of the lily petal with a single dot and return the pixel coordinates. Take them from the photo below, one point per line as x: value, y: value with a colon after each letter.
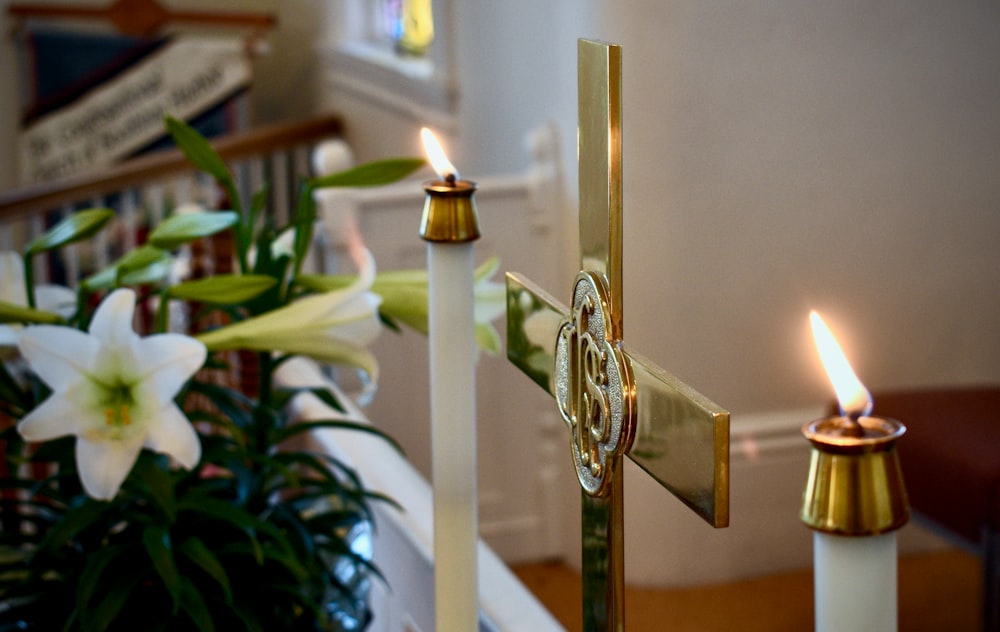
x: 166, y: 361
x: 112, y: 323
x: 103, y: 465
x: 60, y: 356
x: 331, y: 351
x: 56, y: 298
x: 55, y: 417
x: 491, y: 301
x: 172, y: 433
x: 488, y: 338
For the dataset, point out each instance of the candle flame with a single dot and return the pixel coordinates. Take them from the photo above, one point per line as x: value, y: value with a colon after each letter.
x: 435, y: 153
x: 854, y: 399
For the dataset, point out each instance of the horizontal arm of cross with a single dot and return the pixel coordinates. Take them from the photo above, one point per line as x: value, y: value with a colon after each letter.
x: 678, y: 436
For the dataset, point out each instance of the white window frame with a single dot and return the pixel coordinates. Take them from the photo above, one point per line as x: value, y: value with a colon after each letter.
x: 364, y: 62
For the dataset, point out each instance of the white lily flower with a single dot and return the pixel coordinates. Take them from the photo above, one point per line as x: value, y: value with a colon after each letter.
x: 114, y: 391
x: 50, y: 298
x: 405, y: 292
x: 335, y: 327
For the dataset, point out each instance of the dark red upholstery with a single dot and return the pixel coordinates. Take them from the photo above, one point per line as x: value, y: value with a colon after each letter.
x: 950, y: 454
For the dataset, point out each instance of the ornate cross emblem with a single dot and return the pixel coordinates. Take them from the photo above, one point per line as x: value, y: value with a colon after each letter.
x: 614, y: 401
x: 593, y: 385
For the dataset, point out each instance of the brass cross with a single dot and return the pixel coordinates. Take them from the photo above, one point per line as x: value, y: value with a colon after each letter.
x: 614, y: 401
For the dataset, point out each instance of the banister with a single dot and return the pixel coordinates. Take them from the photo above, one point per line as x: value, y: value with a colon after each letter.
x: 161, y: 165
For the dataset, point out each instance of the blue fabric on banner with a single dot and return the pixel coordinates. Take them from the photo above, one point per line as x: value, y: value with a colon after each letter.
x: 64, y: 65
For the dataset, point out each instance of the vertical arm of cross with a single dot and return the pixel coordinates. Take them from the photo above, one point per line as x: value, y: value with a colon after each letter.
x: 599, y: 144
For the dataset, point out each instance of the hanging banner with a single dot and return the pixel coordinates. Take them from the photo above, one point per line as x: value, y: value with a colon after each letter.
x: 114, y: 120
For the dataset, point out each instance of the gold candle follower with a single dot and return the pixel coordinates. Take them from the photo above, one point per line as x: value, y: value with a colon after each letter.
x: 449, y: 212
x: 855, y: 485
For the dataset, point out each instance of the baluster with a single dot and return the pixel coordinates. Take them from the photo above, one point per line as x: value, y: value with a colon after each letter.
x: 40, y: 265
x: 155, y: 199
x: 258, y: 177
x: 280, y: 194
x: 128, y: 216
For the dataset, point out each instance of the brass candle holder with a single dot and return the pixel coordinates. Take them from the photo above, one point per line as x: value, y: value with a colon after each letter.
x: 855, y: 485
x: 450, y: 214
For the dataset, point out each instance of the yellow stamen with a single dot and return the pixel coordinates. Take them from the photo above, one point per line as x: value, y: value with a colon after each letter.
x: 117, y: 417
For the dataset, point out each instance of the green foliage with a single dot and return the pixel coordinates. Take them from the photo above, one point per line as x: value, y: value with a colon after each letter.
x: 258, y: 535
x: 136, y: 267
x: 177, y: 230
x: 80, y: 225
x: 10, y: 313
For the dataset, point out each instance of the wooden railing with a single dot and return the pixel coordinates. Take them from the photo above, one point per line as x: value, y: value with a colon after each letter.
x: 145, y: 189
x: 161, y: 166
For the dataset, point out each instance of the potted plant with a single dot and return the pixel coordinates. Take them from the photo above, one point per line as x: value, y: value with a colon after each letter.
x: 139, y: 492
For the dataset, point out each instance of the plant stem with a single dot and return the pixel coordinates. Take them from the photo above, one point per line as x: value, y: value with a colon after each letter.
x: 29, y: 280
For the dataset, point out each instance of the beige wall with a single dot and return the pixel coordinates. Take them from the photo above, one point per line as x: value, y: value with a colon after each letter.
x: 779, y: 156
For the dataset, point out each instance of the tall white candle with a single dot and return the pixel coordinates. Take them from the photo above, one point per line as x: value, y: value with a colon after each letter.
x: 450, y: 226
x: 855, y: 582
x: 855, y: 500
x: 453, y: 435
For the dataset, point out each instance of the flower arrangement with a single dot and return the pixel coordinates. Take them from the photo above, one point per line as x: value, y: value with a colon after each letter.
x: 153, y: 513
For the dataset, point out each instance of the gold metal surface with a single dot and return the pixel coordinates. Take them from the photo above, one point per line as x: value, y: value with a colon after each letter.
x: 449, y: 212
x: 855, y: 485
x: 599, y: 146
x: 576, y: 354
x: 682, y: 440
x: 594, y: 388
x: 603, y: 558
x: 534, y: 318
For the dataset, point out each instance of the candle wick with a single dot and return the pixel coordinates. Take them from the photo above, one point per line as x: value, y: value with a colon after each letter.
x: 450, y: 179
x: 853, y: 427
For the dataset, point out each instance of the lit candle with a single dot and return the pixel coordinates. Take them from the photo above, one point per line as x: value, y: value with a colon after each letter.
x: 450, y: 226
x: 854, y: 500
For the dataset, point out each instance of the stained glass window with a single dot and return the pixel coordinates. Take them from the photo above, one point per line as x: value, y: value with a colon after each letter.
x: 408, y: 24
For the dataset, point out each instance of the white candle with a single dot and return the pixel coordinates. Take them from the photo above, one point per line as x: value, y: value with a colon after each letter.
x: 855, y: 501
x: 450, y: 226
x: 453, y: 435
x: 855, y: 582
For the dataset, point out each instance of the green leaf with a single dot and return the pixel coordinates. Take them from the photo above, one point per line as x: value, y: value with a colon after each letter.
x: 76, y: 519
x: 371, y: 174
x: 92, y: 581
x: 223, y: 289
x: 135, y: 267
x: 324, y: 282
x: 178, y: 230
x: 109, y: 601
x: 305, y: 218
x: 194, y: 606
x: 308, y: 426
x: 152, y: 474
x: 257, y: 202
x: 198, y: 150
x: 79, y: 225
x: 198, y: 552
x: 202, y: 156
x: 11, y: 313
x: 156, y: 539
x: 229, y: 513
